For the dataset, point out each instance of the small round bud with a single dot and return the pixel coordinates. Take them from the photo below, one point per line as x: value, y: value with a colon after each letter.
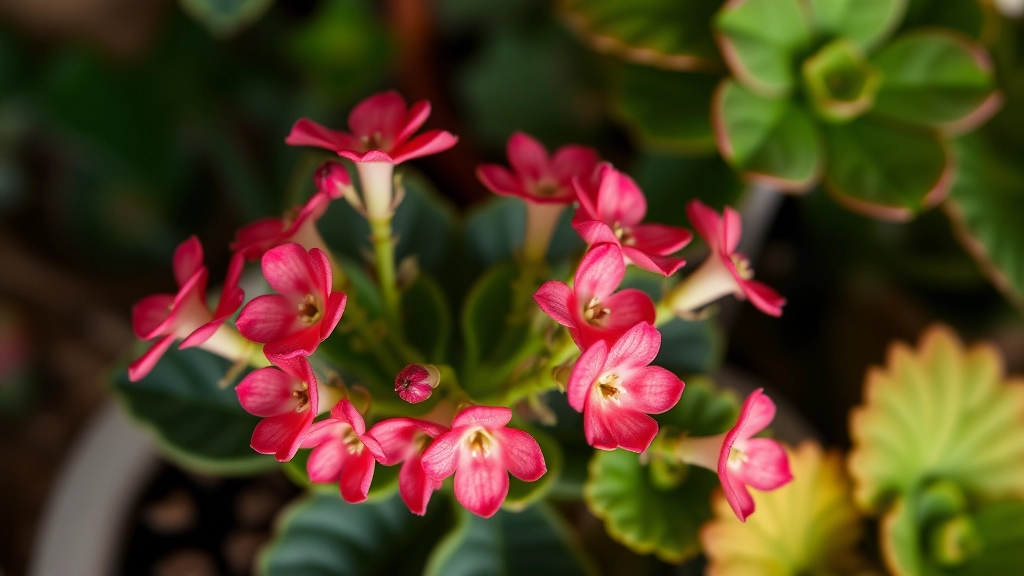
x: 332, y: 179
x: 415, y: 382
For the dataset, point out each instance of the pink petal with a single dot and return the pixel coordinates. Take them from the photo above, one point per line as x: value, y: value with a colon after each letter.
x: 382, y: 114
x: 331, y: 180
x: 736, y: 493
x: 324, y: 431
x: 652, y: 390
x: 289, y: 270
x: 305, y: 132
x: 188, y: 259
x: 619, y: 199
x: 254, y: 240
x: 766, y: 466
x: 628, y: 307
x: 326, y: 460
x: 523, y: 456
x: 144, y: 365
x: 268, y: 318
x: 664, y: 265
x: 528, y: 157
x: 486, y: 416
x: 586, y: 195
x: 659, y: 239
x: 637, y: 347
x: 587, y: 369
x: 481, y: 484
x: 499, y: 180
x: 281, y: 435
x: 600, y: 273
x: 763, y: 297
x: 356, y: 476
x: 608, y: 427
x: 396, y: 439
x: 418, y: 114
x: 706, y: 222
x: 574, y: 161
x: 301, y: 343
x: 415, y: 486
x: 432, y: 142
x: 335, y: 308
x: 553, y: 298
x: 268, y: 392
x: 732, y: 228
x: 344, y: 411
x: 757, y: 413
x: 150, y: 314
x: 441, y: 458
x: 594, y: 232
x: 370, y: 156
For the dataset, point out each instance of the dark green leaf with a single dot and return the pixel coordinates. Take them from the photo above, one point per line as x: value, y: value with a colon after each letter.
x: 224, y: 18
x: 427, y: 321
x: 669, y: 182
x: 976, y: 18
x: 667, y: 111
x: 493, y: 233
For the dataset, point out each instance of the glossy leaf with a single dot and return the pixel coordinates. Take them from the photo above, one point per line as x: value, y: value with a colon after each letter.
x: 984, y: 205
x: 809, y: 526
x: 667, y: 111
x: 427, y: 319
x: 196, y: 423
x: 322, y: 534
x: 886, y: 170
x: 936, y: 78
x: 761, y: 39
x: 663, y: 33
x: 224, y: 18
x: 940, y: 412
x: 771, y: 140
x: 534, y: 541
x: 863, y: 22
x: 641, y: 511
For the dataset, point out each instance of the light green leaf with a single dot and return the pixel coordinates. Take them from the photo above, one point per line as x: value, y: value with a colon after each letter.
x: 666, y: 111
x: 761, y: 39
x: 936, y: 78
x: 224, y: 18
x: 768, y: 139
x: 939, y: 412
x: 196, y: 423
x: 663, y: 33
x: 863, y: 22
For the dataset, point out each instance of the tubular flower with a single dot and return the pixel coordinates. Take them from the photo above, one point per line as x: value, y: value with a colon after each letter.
x: 185, y: 316
x: 404, y: 440
x: 741, y: 460
x: 298, y: 224
x: 342, y: 452
x: 616, y: 390
x: 591, y: 309
x: 543, y: 182
x: 480, y: 450
x: 303, y: 313
x: 612, y: 211
x: 287, y: 400
x: 725, y: 271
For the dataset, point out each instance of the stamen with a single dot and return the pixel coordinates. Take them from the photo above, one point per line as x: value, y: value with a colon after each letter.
x: 594, y: 313
x: 736, y: 458
x: 607, y: 385
x: 480, y: 444
x: 624, y: 234
x: 351, y: 441
x: 308, y: 310
x: 546, y: 188
x: 302, y: 395
x: 743, y: 267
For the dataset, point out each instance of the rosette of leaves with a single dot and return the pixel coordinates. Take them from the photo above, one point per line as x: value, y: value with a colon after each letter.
x: 809, y: 526
x: 820, y: 93
x: 940, y: 412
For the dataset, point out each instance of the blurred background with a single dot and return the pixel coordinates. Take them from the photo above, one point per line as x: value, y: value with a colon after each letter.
x: 127, y: 126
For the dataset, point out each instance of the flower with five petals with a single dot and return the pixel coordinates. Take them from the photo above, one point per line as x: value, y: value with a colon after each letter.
x: 342, y: 452
x: 404, y: 440
x: 286, y: 398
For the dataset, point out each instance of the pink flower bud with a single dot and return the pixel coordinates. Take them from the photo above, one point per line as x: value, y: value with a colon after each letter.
x: 416, y: 382
x: 332, y: 179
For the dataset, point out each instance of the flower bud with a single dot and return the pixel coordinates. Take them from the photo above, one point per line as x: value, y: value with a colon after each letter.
x: 332, y: 179
x: 416, y: 382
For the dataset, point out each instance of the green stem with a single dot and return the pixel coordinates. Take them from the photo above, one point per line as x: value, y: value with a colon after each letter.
x: 384, y: 252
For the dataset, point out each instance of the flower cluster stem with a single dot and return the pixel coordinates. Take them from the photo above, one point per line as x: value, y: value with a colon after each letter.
x: 384, y: 253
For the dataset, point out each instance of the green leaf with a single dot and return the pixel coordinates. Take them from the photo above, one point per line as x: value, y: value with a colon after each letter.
x: 535, y: 541
x: 321, y: 534
x: 667, y: 111
x: 493, y: 233
x: 664, y: 33
x: 839, y: 82
x: 938, y: 413
x: 984, y: 205
x: 761, y: 40
x: 768, y: 139
x: 646, y: 515
x: 224, y: 18
x: 863, y: 22
x: 522, y: 494
x: 428, y: 320
x: 196, y: 423
x: 978, y: 19
x: 669, y: 182
x: 886, y: 170
x: 936, y: 78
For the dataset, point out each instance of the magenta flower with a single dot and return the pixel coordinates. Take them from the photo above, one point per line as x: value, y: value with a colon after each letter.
x: 616, y: 390
x: 303, y: 313
x: 287, y: 400
x: 612, y: 211
x: 591, y: 309
x: 416, y: 382
x: 741, y: 460
x: 725, y: 271
x: 404, y: 440
x: 185, y: 316
x: 342, y: 452
x: 299, y: 224
x: 538, y: 177
x: 481, y: 451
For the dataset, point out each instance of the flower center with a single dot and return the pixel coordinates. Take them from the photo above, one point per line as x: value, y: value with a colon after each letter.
x: 736, y: 458
x: 301, y: 396
x: 546, y: 188
x: 373, y: 141
x: 743, y: 267
x: 351, y: 441
x: 480, y: 444
x: 594, y: 313
x: 624, y: 234
x: 607, y: 385
x: 308, y: 310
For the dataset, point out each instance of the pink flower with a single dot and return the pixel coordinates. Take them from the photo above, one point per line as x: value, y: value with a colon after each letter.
x: 342, y: 452
x: 591, y: 309
x: 299, y: 224
x: 616, y: 390
x: 741, y: 460
x: 303, y: 313
x: 286, y: 399
x: 185, y: 316
x: 404, y: 440
x: 381, y: 131
x: 481, y: 451
x: 725, y: 271
x: 538, y: 177
x: 416, y: 382
x: 612, y: 212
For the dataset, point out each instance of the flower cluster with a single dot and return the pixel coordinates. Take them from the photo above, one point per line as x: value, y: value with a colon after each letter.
x: 612, y: 330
